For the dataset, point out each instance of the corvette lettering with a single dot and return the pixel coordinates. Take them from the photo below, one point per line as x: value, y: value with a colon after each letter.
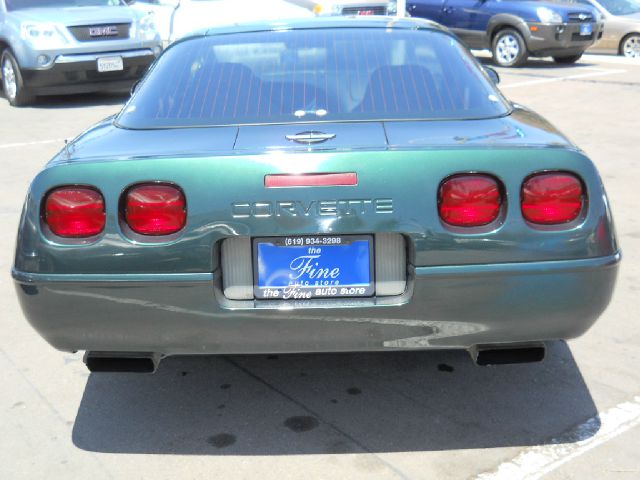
x: 320, y: 208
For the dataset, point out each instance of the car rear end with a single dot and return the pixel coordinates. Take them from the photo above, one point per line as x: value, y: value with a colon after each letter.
x: 426, y: 283
x: 188, y: 226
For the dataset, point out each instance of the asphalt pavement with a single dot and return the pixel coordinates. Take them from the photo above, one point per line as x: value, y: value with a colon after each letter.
x: 409, y: 415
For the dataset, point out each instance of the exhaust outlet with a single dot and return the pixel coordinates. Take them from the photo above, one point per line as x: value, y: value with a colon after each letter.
x: 508, y: 354
x: 117, y: 362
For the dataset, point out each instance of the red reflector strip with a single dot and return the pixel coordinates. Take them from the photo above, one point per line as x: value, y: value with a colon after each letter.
x: 311, y: 180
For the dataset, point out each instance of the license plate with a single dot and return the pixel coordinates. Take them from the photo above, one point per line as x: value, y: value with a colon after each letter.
x: 304, y: 267
x: 110, y: 64
x: 586, y: 29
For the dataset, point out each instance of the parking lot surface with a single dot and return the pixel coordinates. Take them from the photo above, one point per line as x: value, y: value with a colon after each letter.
x: 422, y: 415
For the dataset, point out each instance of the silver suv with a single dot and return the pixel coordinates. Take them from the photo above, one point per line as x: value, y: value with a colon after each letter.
x: 53, y: 47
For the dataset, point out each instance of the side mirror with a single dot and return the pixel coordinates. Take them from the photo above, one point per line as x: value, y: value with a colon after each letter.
x: 493, y: 75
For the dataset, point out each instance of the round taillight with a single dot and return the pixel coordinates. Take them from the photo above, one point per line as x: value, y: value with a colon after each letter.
x: 75, y: 212
x: 552, y: 198
x: 155, y: 209
x: 469, y: 200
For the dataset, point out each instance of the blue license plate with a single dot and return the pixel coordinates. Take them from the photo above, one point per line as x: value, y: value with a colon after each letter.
x: 304, y: 267
x: 586, y: 29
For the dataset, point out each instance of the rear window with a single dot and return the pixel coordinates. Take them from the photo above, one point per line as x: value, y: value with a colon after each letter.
x: 346, y: 74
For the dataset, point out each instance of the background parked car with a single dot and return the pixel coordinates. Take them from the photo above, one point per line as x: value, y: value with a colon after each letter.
x: 621, y: 26
x: 177, y: 18
x: 51, y: 47
x: 354, y: 7
x: 515, y: 30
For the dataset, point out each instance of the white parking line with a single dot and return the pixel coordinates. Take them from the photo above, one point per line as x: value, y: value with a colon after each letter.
x: 537, y: 461
x: 598, y: 73
x: 26, y: 144
x: 616, y: 59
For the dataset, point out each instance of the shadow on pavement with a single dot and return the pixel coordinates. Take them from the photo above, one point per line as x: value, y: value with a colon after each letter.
x: 538, y: 63
x: 332, y: 403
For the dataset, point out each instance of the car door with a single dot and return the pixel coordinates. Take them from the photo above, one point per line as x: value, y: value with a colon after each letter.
x: 429, y: 9
x: 468, y: 19
x: 4, y: 28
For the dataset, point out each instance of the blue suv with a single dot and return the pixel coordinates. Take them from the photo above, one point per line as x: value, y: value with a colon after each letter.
x: 517, y: 29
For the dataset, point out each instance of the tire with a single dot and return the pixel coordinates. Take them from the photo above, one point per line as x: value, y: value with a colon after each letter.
x: 630, y: 46
x: 12, y: 84
x: 569, y: 59
x: 508, y: 48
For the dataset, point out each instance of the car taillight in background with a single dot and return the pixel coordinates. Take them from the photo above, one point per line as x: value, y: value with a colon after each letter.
x: 552, y: 198
x: 155, y: 209
x: 469, y: 200
x: 75, y: 212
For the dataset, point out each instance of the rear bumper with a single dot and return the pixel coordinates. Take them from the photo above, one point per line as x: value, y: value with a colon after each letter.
x: 560, y: 40
x: 444, y: 307
x: 78, y: 73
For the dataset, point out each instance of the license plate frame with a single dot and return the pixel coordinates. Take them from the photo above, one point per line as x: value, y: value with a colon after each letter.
x: 338, y: 250
x: 586, y: 29
x: 110, y: 64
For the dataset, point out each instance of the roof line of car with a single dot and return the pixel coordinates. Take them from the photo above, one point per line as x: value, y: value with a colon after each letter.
x: 396, y: 23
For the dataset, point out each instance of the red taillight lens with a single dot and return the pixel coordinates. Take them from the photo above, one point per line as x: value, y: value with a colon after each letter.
x: 155, y: 209
x: 469, y: 200
x: 552, y: 198
x: 75, y: 212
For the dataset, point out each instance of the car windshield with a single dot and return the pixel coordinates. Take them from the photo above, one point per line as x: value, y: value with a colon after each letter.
x: 24, y: 4
x: 621, y: 7
x: 339, y: 74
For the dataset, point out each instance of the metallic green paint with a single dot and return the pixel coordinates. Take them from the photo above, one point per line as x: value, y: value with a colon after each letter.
x: 410, y: 178
x: 450, y: 307
x: 511, y: 282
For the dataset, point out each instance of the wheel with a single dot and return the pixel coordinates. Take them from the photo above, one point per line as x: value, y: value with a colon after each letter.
x: 630, y: 46
x: 569, y: 59
x: 12, y: 81
x: 509, y: 49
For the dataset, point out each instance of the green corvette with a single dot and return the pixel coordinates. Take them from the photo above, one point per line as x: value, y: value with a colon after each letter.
x: 338, y: 184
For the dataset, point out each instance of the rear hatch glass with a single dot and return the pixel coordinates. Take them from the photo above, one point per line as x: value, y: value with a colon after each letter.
x: 326, y: 75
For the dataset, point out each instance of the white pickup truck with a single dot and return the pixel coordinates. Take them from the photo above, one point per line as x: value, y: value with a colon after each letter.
x: 176, y: 18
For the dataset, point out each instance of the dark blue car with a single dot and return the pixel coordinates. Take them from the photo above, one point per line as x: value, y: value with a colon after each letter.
x: 517, y: 29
